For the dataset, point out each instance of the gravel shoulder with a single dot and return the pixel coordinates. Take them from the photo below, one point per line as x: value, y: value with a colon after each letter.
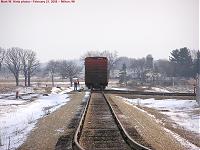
x: 50, y: 128
x: 192, y: 137
x: 150, y: 130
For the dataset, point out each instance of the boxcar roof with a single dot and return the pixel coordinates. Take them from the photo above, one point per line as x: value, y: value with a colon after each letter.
x: 95, y: 57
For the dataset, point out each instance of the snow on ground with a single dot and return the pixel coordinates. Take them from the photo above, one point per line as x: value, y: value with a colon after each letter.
x: 180, y: 111
x: 122, y: 89
x: 146, y: 89
x: 117, y: 88
x: 183, y: 141
x: 156, y: 89
x: 169, y: 89
x: 4, y: 102
x: 172, y: 89
x: 18, y: 117
x: 87, y: 94
x: 180, y: 89
x: 24, y: 90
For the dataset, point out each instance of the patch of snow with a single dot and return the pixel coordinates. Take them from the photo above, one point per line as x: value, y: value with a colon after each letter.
x: 24, y: 90
x: 4, y: 102
x: 181, y: 111
x: 61, y: 130
x: 61, y: 90
x: 152, y: 116
x: 16, y: 121
x: 29, y: 96
x: 186, y: 89
x: 87, y: 94
x: 55, y: 90
x: 173, y: 89
x: 156, y: 89
x: 144, y: 87
x: 160, y: 89
x: 123, y: 89
x: 183, y: 141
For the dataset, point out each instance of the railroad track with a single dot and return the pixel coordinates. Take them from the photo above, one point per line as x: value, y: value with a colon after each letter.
x: 99, y: 128
x: 147, y: 93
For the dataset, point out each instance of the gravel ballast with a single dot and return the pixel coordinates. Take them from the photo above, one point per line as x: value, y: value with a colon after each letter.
x: 150, y: 130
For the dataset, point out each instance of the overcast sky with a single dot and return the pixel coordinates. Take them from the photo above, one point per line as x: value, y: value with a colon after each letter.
x: 133, y: 28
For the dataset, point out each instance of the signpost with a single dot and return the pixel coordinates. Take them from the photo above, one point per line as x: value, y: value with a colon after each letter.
x: 198, y: 79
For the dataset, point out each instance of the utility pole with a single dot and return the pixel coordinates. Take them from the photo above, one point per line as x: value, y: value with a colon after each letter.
x: 122, y: 75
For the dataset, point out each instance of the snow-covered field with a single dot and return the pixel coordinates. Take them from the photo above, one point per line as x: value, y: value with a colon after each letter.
x: 18, y: 117
x: 183, y: 112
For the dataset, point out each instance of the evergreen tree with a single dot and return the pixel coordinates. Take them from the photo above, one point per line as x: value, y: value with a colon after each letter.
x: 182, y: 61
x: 196, y: 64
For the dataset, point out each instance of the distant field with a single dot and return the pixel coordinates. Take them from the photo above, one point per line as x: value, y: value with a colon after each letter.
x: 10, y: 85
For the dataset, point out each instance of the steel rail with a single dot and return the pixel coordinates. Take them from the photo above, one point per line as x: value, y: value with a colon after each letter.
x: 110, y: 91
x: 132, y: 143
x: 75, y: 143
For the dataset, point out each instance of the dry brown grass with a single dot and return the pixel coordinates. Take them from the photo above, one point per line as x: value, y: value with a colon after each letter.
x: 5, y: 88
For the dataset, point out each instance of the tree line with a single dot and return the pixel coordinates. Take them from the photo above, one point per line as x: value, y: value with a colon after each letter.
x: 182, y: 62
x: 64, y: 69
x: 18, y: 60
x: 69, y: 69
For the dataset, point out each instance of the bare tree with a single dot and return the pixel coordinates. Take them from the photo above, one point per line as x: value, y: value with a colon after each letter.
x: 13, y: 62
x: 24, y: 61
x: 69, y: 69
x: 193, y: 53
x: 52, y: 68
x: 123, y: 60
x: 138, y: 66
x: 62, y: 69
x: 2, y: 54
x: 29, y: 65
x: 164, y: 67
x: 112, y: 57
x: 91, y: 54
x: 32, y: 65
x: 73, y: 70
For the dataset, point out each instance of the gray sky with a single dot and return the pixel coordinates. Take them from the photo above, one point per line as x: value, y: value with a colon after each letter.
x: 133, y: 28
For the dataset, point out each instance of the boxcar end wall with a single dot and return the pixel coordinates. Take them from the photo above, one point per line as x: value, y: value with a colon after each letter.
x: 96, y: 72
